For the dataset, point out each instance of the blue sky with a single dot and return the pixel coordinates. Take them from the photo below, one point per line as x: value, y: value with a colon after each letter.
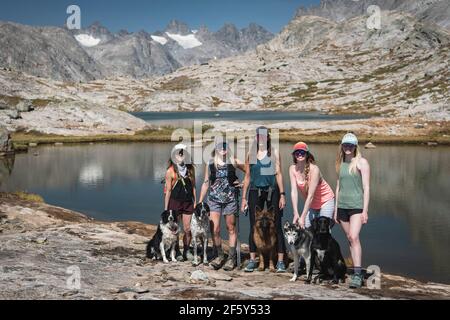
x: 152, y: 15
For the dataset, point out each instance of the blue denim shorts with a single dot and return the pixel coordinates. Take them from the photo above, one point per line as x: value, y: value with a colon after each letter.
x: 225, y: 209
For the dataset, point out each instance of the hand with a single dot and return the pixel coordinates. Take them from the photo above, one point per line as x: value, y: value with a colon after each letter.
x: 302, y: 221
x: 244, y: 205
x: 296, y: 218
x: 282, y: 202
x: 335, y: 218
x: 364, y: 217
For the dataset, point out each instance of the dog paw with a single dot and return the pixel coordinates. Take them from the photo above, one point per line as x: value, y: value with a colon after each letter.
x: 293, y: 279
x: 308, y: 281
x: 166, y: 261
x: 205, y: 263
x: 261, y: 269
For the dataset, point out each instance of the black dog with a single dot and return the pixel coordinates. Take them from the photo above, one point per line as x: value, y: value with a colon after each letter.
x: 326, y: 253
x: 165, y: 238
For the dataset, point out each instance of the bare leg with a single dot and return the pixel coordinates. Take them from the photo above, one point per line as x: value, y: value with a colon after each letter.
x: 231, y: 227
x: 353, y: 238
x: 352, y: 229
x: 187, y: 231
x: 215, y: 228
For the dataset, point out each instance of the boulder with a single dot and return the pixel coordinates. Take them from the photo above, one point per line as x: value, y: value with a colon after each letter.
x: 370, y: 145
x: 14, y: 114
x: 25, y: 106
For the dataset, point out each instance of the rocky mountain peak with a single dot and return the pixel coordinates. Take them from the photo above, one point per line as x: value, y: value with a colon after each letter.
x: 178, y: 27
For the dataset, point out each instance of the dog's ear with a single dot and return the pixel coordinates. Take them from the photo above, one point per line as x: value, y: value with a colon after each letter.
x: 315, y: 224
x: 270, y: 209
x: 286, y: 226
x: 258, y: 210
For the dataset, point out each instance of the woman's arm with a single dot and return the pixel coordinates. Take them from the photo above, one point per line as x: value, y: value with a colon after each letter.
x: 294, y: 193
x: 364, y: 168
x: 336, y: 205
x: 205, y: 185
x: 239, y: 164
x: 246, y: 183
x: 168, y: 189
x: 279, y: 177
x: 312, y: 186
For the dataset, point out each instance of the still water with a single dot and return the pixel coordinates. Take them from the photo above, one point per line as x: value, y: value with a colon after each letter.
x: 186, y: 119
x: 409, y: 216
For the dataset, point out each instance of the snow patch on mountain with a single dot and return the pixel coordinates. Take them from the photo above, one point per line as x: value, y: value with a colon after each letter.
x: 159, y: 39
x: 187, y: 42
x: 87, y: 40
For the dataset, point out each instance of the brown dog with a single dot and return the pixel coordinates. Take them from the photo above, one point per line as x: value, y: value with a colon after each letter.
x: 265, y: 237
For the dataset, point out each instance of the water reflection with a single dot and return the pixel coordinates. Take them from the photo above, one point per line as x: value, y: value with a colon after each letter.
x: 6, y: 168
x: 408, y: 230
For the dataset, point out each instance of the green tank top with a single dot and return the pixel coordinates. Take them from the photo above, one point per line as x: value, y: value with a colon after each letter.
x: 262, y: 174
x: 351, y: 193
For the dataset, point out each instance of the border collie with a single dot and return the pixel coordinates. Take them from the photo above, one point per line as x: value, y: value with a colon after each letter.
x: 165, y: 238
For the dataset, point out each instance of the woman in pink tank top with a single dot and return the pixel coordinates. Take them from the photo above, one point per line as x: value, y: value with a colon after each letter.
x: 306, y: 177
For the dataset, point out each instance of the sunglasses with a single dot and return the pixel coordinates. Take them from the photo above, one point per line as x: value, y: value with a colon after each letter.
x: 300, y: 153
x: 348, y: 146
x: 222, y: 147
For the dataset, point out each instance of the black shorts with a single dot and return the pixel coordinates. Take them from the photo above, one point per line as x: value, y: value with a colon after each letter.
x: 182, y: 207
x: 345, y: 214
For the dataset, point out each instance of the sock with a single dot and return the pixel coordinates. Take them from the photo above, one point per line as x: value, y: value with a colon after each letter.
x: 357, y: 270
x: 232, y: 253
x: 219, y: 250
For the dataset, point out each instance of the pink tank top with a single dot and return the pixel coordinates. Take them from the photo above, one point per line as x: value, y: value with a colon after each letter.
x: 322, y: 195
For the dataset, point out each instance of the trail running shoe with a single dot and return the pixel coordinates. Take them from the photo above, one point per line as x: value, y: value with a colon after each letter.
x: 281, y: 268
x: 356, y: 281
x: 251, y: 266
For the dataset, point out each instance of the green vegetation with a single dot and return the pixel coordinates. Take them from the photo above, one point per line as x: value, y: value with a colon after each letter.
x: 29, y: 197
x: 21, y: 139
x: 180, y: 83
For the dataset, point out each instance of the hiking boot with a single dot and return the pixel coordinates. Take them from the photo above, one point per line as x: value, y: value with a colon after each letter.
x: 281, y: 268
x: 230, y: 264
x: 356, y: 281
x: 251, y: 266
x: 218, y: 262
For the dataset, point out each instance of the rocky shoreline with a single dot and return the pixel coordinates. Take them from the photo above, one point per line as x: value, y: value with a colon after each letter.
x: 40, y: 244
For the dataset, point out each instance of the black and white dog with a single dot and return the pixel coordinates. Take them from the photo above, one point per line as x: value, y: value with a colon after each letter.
x: 326, y: 252
x: 165, y: 238
x: 299, y: 242
x: 199, y: 230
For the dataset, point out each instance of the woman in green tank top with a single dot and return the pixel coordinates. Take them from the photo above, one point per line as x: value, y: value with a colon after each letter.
x: 352, y: 198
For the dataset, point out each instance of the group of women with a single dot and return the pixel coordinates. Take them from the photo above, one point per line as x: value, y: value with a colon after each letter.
x: 263, y: 185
